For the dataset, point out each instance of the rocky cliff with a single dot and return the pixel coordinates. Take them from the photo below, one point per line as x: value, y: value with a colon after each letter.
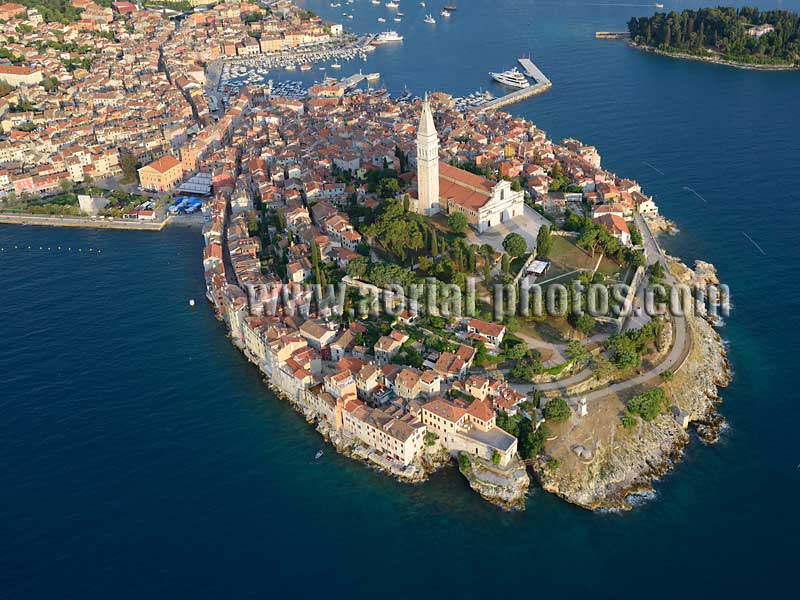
x: 599, y: 463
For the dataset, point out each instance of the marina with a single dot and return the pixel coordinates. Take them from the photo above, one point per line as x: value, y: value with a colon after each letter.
x: 531, y: 70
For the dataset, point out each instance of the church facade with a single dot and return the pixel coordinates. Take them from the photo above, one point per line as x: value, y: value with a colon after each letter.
x: 444, y: 188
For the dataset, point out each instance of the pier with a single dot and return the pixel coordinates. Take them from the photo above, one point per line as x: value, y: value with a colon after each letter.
x: 352, y: 81
x: 612, y: 35
x: 531, y: 70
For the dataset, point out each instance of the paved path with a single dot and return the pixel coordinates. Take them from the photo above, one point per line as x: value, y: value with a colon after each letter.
x: 527, y: 225
x: 681, y: 345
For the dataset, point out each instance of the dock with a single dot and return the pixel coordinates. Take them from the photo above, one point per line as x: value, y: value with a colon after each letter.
x: 531, y: 70
x: 354, y: 80
x: 611, y: 35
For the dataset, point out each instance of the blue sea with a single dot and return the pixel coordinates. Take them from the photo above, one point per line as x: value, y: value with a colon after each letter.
x: 142, y: 457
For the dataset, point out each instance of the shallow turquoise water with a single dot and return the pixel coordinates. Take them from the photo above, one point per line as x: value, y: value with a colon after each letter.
x: 141, y: 454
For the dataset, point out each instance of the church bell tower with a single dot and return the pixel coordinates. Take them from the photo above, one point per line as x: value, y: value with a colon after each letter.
x: 427, y: 162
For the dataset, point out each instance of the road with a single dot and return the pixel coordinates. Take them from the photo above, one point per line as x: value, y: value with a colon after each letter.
x: 681, y: 345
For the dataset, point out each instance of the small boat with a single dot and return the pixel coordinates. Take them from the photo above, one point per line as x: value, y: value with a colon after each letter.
x: 444, y: 13
x: 397, y: 19
x: 305, y: 67
x: 336, y: 66
x: 450, y: 7
x: 191, y: 301
x: 318, y: 455
x: 429, y: 19
x: 376, y: 1
x: 381, y: 20
x: 422, y: 3
x: 391, y: 4
x: 659, y: 5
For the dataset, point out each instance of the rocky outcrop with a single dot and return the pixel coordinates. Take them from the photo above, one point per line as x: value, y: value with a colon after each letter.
x: 659, y: 224
x: 505, y: 488
x: 626, y: 461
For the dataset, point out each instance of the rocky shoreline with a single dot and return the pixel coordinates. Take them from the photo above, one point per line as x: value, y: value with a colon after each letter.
x: 626, y: 463
x: 713, y: 59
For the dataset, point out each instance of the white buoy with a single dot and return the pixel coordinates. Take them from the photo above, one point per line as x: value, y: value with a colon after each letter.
x: 191, y: 301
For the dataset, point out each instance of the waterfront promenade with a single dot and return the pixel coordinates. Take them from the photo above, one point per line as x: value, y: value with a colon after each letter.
x: 130, y: 224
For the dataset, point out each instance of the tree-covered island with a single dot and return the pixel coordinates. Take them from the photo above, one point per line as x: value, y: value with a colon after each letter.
x: 746, y: 37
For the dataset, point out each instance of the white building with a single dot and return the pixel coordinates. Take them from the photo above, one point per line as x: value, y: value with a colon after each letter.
x: 442, y: 187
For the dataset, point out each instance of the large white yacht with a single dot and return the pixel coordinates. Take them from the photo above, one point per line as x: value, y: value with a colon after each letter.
x: 387, y: 36
x: 429, y: 19
x: 512, y: 78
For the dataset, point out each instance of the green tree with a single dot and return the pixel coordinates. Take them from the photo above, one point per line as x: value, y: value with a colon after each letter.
x: 602, y: 367
x: 505, y: 264
x: 649, y: 404
x: 434, y: 244
x: 129, y: 166
x: 576, y: 352
x: 636, y: 235
x: 557, y: 410
x: 544, y: 242
x: 457, y: 222
x: 515, y: 244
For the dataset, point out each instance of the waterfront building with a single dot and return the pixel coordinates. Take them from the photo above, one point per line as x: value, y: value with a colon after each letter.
x: 161, y: 175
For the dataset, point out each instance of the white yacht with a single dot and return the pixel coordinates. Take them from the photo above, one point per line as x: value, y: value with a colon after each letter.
x: 376, y: 1
x: 336, y: 66
x: 422, y: 3
x: 430, y: 19
x: 445, y: 13
x: 391, y: 4
x: 381, y: 20
x: 512, y: 78
x: 387, y: 36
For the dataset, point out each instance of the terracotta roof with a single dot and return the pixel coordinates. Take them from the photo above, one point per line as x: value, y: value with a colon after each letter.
x: 480, y: 410
x: 464, y: 188
x: 164, y: 164
x: 444, y: 409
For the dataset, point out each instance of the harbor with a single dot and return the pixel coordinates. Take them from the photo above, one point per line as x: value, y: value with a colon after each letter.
x: 531, y: 70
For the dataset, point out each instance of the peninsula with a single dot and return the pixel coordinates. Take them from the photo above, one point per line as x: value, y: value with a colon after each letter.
x: 429, y: 282
x: 356, y: 254
x: 746, y: 37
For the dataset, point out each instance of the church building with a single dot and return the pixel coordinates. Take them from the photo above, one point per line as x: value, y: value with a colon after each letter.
x: 444, y: 188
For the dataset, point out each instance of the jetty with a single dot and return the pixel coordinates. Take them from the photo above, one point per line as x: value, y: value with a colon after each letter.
x: 611, y: 35
x: 531, y: 70
x: 354, y: 80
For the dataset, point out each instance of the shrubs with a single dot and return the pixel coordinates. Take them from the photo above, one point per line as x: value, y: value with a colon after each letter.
x: 464, y: 462
x: 628, y: 422
x: 557, y: 410
x: 649, y: 404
